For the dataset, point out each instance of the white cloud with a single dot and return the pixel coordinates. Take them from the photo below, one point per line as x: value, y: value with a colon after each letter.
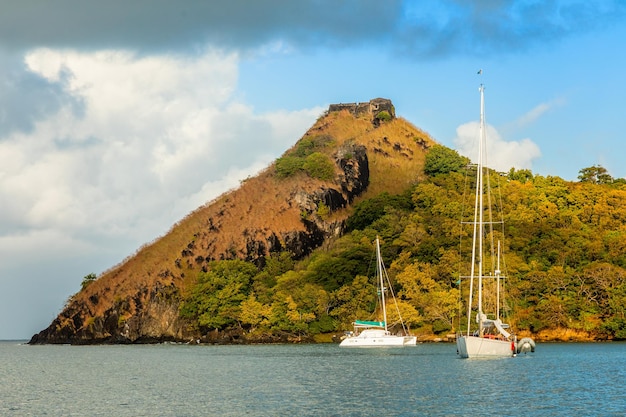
x: 154, y: 137
x: 153, y: 132
x: 538, y: 111
x: 500, y: 155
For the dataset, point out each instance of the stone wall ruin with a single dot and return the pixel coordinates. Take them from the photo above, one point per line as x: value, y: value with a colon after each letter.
x: 370, y: 108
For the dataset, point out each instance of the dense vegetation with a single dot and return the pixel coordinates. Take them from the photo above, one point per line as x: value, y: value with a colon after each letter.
x: 566, y: 260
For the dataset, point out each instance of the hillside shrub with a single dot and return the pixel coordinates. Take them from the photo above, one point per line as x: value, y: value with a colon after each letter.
x: 87, y: 280
x: 288, y: 166
x: 304, y: 157
x: 307, y: 146
x: 384, y: 116
x: 319, y: 166
x: 323, y: 211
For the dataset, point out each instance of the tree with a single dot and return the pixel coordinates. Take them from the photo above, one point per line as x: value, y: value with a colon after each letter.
x: 253, y: 313
x: 565, y: 260
x: 443, y: 160
x: 368, y: 211
x: 521, y: 175
x: 595, y: 174
x: 215, y: 300
x: 355, y: 300
x: 433, y: 299
x: 87, y: 280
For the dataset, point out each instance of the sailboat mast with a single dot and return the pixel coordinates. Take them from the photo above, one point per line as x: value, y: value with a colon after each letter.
x: 481, y: 151
x: 498, y: 284
x: 379, y: 260
x: 477, y: 235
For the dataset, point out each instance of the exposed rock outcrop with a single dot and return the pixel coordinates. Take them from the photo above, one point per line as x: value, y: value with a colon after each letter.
x: 151, y: 315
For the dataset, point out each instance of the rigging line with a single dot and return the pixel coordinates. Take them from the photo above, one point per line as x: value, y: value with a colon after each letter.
x: 386, y: 275
x: 460, y: 251
x: 491, y: 222
x: 488, y: 192
x: 373, y: 316
x: 505, y: 271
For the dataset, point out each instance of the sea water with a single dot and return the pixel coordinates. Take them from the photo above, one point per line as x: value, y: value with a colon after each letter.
x: 309, y: 380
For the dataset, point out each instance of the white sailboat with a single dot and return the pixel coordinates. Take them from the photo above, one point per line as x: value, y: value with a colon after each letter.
x: 376, y: 333
x: 489, y: 337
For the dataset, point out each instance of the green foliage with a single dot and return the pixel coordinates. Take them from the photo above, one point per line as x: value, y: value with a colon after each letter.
x: 304, y: 148
x: 443, y: 160
x: 383, y: 116
x: 334, y: 268
x: 616, y: 326
x: 325, y: 324
x: 87, y: 280
x: 254, y: 314
x: 308, y: 145
x: 356, y: 300
x: 368, y: 211
x: 441, y: 326
x: 288, y: 166
x: 215, y: 300
x: 319, y: 166
x: 323, y: 211
x: 521, y: 175
x: 306, y: 157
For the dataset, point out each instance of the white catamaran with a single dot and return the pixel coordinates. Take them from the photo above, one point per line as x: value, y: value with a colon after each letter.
x: 376, y: 333
x: 489, y: 337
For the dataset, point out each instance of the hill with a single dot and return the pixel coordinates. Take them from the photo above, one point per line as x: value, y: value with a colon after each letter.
x: 353, y: 152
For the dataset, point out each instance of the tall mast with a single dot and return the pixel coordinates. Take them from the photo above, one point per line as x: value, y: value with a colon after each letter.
x: 498, y: 284
x: 477, y: 238
x: 379, y: 259
x: 480, y: 208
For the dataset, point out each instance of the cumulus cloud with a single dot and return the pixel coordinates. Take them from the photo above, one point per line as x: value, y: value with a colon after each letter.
x: 500, y: 154
x: 157, y: 137
x: 121, y: 146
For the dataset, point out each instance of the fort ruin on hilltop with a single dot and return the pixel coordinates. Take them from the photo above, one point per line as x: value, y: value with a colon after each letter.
x: 372, y: 108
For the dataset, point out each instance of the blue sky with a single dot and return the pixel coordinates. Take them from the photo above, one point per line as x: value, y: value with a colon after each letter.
x: 118, y: 118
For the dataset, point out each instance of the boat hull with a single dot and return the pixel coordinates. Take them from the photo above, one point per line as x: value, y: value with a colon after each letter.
x: 482, y: 347
x: 369, y: 338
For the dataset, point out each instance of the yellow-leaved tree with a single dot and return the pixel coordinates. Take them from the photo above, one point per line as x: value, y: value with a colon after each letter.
x: 436, y: 301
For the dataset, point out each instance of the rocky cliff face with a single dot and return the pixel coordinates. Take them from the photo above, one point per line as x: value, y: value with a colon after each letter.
x: 150, y: 315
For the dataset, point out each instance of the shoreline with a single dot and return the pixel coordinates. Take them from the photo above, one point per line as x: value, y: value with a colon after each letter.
x: 553, y: 336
